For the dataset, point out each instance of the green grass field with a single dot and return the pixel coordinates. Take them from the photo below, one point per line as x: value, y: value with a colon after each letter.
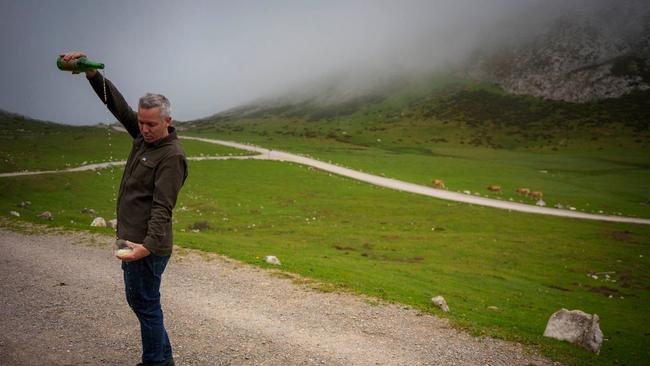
x: 594, y: 157
x: 612, y: 182
x: 397, y: 247
x: 30, y: 145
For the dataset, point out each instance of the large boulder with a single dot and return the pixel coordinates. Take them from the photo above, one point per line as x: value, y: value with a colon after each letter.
x: 577, y: 327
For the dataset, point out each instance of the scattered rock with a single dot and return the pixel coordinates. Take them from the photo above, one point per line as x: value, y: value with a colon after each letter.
x: 577, y: 327
x: 272, y: 260
x: 14, y: 213
x: 493, y: 308
x: 46, y: 215
x: 440, y: 302
x: 200, y: 226
x: 559, y: 206
x: 467, y: 192
x: 89, y: 211
x: 112, y: 223
x: 98, y: 222
x: 25, y: 204
x: 540, y: 203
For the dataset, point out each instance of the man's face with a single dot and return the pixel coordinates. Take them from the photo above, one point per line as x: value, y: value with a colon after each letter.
x: 151, y: 126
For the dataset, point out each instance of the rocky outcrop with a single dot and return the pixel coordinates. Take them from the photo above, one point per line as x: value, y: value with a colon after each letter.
x: 575, y: 59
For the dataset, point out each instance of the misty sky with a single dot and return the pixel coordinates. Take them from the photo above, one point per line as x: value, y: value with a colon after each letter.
x: 207, y: 56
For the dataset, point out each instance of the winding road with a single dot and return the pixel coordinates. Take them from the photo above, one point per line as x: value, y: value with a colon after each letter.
x: 268, y: 154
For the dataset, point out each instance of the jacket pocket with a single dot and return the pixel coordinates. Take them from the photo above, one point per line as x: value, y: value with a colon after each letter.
x: 144, y: 171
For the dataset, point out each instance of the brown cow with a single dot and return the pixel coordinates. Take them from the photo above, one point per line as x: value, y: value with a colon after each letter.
x: 536, y: 195
x: 524, y: 191
x: 494, y: 188
x: 438, y: 183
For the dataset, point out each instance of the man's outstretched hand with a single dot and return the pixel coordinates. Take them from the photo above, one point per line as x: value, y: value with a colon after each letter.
x: 138, y: 252
x: 69, y: 56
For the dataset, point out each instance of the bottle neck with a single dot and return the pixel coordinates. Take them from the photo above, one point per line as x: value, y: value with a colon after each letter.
x: 87, y: 64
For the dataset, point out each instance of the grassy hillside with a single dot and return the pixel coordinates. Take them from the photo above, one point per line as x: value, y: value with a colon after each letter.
x: 594, y: 157
x: 26, y: 144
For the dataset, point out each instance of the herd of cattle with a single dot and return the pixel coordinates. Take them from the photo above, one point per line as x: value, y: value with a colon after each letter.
x: 439, y: 183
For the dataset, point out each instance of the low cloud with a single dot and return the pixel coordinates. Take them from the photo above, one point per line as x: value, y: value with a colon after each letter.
x: 207, y: 56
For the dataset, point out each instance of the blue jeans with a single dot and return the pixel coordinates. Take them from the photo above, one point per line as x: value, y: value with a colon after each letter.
x: 142, y: 285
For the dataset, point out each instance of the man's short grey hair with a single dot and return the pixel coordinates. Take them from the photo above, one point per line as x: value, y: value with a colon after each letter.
x: 151, y: 100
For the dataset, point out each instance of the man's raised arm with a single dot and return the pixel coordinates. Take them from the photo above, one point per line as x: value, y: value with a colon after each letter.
x: 114, y: 99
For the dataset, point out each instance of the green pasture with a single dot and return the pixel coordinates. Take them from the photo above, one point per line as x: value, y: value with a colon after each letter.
x: 611, y: 182
x: 30, y: 145
x: 395, y: 246
x: 593, y: 156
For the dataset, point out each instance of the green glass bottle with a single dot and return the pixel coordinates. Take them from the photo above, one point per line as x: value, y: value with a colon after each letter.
x: 78, y: 65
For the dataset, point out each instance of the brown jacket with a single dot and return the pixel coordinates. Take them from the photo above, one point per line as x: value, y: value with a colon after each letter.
x: 153, y: 176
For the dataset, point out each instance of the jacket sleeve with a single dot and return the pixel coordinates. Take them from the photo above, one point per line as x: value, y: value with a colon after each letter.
x: 116, y: 104
x: 169, y: 178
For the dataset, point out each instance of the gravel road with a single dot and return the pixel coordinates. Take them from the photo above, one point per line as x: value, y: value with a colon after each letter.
x: 63, y: 304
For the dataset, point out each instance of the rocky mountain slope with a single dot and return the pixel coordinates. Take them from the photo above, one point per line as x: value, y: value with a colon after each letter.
x: 576, y: 59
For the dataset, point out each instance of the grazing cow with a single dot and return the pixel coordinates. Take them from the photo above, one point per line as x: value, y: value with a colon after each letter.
x: 494, y: 188
x: 524, y: 191
x: 536, y: 195
x: 438, y: 183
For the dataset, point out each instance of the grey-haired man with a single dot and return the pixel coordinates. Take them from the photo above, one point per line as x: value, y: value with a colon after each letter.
x: 153, y: 176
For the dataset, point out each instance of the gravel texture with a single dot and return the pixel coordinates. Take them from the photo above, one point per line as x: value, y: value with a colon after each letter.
x: 63, y: 304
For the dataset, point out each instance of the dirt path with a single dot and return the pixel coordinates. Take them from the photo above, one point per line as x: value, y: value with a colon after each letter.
x: 63, y: 304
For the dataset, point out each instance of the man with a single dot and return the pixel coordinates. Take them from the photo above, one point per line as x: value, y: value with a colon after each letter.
x: 154, y: 174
